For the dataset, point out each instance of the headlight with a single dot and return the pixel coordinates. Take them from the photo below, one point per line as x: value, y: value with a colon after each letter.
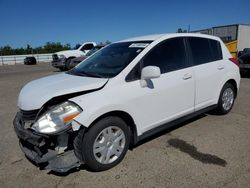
x: 57, y: 119
x: 62, y: 57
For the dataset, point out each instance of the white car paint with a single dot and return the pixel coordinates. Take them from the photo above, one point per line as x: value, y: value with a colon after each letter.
x: 172, y: 95
x: 36, y: 93
x: 75, y: 53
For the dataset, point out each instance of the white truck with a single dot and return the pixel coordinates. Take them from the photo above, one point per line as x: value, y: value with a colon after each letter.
x: 62, y: 59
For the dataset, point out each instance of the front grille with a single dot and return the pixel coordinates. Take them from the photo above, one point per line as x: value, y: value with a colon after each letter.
x: 29, y: 115
x: 55, y: 57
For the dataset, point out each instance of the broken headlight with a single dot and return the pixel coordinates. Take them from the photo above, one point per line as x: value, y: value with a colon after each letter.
x: 57, y: 118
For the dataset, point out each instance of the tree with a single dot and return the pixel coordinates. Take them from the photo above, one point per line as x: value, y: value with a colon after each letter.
x: 29, y: 49
x: 7, y: 50
x: 77, y: 46
x: 180, y: 30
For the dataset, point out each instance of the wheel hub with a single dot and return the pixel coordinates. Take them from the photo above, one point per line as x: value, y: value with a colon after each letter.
x: 227, y: 99
x: 109, y: 145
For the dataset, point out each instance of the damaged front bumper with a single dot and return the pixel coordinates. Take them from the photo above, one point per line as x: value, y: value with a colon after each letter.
x: 59, y: 63
x: 52, y: 152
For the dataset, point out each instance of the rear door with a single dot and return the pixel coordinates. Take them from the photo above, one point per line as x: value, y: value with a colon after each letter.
x: 208, y: 66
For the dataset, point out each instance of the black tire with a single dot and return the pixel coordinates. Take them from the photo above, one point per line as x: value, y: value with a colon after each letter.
x: 221, y: 110
x: 67, y: 64
x: 84, y: 143
x: 62, y: 69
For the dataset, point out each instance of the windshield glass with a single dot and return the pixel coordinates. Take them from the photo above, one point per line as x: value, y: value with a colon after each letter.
x: 76, y: 46
x: 95, y: 49
x: 110, y: 61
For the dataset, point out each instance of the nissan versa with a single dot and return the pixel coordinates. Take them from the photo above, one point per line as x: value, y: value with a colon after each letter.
x: 123, y: 93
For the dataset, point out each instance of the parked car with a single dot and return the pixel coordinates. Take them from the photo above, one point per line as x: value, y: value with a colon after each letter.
x: 30, y: 61
x: 122, y: 94
x: 78, y: 60
x: 62, y: 59
x: 244, y: 59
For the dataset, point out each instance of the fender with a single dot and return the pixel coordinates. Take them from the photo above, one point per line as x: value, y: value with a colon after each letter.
x: 228, y: 77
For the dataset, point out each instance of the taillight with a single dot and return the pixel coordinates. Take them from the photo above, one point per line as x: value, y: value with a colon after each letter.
x: 235, y: 61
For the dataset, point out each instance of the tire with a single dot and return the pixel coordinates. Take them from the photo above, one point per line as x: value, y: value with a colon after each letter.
x: 104, y: 145
x: 67, y: 64
x: 62, y: 69
x: 226, y: 100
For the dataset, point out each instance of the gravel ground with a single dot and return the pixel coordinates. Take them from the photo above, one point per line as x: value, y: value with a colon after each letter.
x: 208, y: 151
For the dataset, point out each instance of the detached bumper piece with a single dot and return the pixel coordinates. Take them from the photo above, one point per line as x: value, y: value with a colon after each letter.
x: 47, y: 152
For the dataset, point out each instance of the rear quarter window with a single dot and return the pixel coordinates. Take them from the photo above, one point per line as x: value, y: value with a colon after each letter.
x: 204, y: 50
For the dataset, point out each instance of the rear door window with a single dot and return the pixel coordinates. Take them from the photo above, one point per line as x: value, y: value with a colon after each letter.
x: 215, y: 47
x: 204, y: 50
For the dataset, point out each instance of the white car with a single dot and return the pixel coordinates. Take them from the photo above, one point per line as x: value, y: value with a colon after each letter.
x: 61, y: 60
x: 121, y: 94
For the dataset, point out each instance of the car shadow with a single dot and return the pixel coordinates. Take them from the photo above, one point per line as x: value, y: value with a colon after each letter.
x: 185, y: 147
x: 192, y: 151
x: 58, y: 71
x: 73, y: 170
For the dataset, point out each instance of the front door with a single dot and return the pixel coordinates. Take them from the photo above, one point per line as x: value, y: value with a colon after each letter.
x: 168, y: 97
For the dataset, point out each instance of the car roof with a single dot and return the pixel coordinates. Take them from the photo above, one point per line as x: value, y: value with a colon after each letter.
x: 167, y: 35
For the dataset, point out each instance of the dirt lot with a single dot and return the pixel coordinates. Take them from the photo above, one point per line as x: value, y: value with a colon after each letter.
x: 209, y: 151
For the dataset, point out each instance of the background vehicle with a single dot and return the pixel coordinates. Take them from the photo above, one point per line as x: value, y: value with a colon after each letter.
x: 30, y: 61
x: 122, y: 94
x: 244, y: 59
x: 78, y: 60
x: 62, y: 59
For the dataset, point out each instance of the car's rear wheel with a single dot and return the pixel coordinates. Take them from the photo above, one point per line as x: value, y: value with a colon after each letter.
x: 226, y: 100
x: 104, y: 145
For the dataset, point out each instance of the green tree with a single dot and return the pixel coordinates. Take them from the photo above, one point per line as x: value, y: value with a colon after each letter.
x: 180, y: 30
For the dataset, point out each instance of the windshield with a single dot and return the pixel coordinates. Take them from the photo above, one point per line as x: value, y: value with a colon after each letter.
x: 95, y: 49
x: 110, y: 61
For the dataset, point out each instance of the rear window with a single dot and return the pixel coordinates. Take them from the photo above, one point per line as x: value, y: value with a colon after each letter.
x: 204, y: 50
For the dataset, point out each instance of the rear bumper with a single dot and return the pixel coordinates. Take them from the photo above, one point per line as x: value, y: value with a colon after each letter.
x: 41, y: 149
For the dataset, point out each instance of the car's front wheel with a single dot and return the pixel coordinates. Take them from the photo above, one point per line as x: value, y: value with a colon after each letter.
x: 67, y: 64
x: 104, y: 145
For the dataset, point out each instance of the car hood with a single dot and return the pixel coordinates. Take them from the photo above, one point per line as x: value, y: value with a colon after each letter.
x: 36, y: 93
x: 65, y: 51
x: 71, y: 53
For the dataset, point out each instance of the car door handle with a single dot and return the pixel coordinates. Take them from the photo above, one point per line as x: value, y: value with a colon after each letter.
x: 187, y: 76
x: 220, y: 67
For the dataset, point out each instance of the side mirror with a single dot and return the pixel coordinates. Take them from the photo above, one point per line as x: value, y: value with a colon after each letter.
x: 148, y: 73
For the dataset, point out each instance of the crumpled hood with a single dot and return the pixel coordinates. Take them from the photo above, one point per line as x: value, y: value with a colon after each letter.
x: 36, y: 93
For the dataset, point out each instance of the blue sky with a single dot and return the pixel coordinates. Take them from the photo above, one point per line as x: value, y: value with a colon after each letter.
x: 36, y: 22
